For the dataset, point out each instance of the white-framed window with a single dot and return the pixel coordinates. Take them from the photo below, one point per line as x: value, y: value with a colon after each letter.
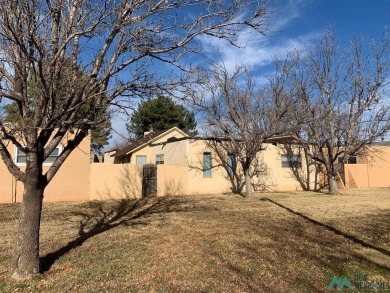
x: 291, y: 161
x: 141, y: 160
x: 160, y: 159
x: 20, y: 157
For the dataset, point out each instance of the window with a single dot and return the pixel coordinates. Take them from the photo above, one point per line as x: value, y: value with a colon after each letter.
x: 159, y: 159
x: 291, y: 161
x: 206, y: 164
x: 20, y: 158
x: 140, y: 160
x: 231, y: 164
x: 349, y: 160
x: 53, y: 156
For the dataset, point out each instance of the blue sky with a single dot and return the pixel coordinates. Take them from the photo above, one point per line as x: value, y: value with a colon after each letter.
x: 292, y: 25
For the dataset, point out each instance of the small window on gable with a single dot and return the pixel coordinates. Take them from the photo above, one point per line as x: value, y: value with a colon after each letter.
x: 291, y: 161
x: 20, y: 157
x: 160, y: 159
x: 207, y: 165
x: 141, y: 160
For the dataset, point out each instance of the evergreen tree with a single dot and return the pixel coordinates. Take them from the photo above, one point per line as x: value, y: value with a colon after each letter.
x: 159, y: 114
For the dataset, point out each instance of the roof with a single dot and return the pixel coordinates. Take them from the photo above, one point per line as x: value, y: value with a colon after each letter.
x: 382, y: 143
x: 147, y: 139
x: 150, y: 137
x: 110, y: 150
x: 289, y: 138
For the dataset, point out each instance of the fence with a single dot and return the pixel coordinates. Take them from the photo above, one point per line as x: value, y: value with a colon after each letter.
x: 116, y: 181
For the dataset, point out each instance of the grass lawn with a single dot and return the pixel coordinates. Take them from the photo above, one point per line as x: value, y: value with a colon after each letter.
x: 275, y: 242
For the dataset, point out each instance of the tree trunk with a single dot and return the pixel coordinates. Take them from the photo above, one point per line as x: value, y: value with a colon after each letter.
x: 332, y: 183
x: 307, y: 170
x: 248, y: 185
x: 25, y: 263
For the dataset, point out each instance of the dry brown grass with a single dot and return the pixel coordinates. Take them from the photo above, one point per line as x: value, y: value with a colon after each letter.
x: 279, y: 242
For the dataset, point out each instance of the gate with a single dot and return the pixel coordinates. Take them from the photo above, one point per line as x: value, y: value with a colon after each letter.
x: 149, y: 180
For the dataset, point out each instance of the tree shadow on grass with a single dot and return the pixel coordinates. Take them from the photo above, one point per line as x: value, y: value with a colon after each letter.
x: 285, y: 253
x: 331, y: 228
x: 100, y: 216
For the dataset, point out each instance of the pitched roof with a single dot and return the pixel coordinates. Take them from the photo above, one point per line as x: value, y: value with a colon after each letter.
x: 148, y: 138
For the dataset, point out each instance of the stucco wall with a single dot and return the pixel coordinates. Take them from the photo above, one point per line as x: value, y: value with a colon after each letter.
x: 376, y: 173
x: 281, y: 178
x: 172, y: 180
x: 356, y: 176
x: 174, y: 153
x: 71, y: 183
x: 167, y: 135
x: 125, y: 181
x: 218, y: 183
x: 115, y: 181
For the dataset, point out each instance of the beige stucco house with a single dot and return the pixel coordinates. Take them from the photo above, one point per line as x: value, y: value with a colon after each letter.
x: 184, y: 166
x: 187, y: 166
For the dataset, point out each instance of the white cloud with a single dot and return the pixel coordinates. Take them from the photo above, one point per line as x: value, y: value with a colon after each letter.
x: 285, y: 12
x: 258, y: 50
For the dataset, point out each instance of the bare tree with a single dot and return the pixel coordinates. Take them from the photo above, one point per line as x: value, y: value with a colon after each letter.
x: 113, y: 43
x: 225, y: 159
x: 242, y: 114
x: 342, y: 107
x: 303, y: 174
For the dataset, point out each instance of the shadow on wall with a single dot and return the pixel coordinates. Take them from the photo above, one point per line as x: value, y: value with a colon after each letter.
x: 305, y: 171
x: 100, y: 216
x: 261, y: 178
x: 126, y: 182
x: 126, y: 185
x: 130, y: 184
x: 173, y: 187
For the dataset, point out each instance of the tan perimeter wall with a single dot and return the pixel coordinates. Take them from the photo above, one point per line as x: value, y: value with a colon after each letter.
x: 120, y: 181
x: 376, y: 173
x: 115, y: 181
